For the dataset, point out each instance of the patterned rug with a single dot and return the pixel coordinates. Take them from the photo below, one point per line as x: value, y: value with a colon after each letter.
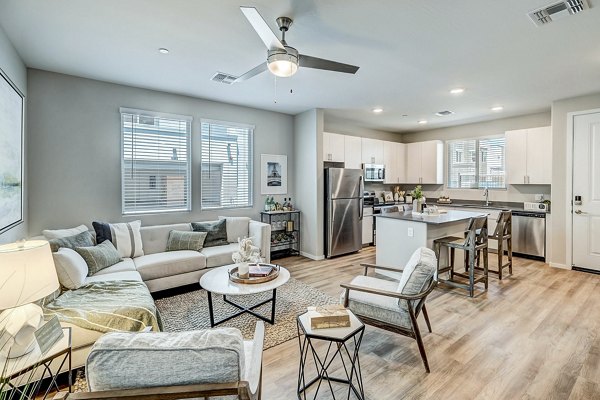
x: 189, y: 311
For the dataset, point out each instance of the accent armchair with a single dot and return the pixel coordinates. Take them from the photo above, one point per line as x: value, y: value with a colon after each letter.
x: 395, y: 305
x: 207, y: 364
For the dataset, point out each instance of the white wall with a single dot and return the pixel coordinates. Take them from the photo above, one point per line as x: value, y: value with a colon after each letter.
x: 74, y: 135
x: 13, y: 67
x: 560, y: 202
x: 350, y: 128
x: 308, y: 153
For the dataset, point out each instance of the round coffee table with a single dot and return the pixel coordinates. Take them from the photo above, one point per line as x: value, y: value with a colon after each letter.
x: 217, y: 281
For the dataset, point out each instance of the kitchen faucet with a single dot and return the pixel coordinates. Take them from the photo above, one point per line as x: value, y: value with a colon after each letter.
x: 486, y: 194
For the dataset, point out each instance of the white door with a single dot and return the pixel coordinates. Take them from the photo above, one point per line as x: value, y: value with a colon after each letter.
x: 539, y: 156
x: 586, y: 183
x: 516, y: 157
x: 352, y: 152
x: 413, y: 163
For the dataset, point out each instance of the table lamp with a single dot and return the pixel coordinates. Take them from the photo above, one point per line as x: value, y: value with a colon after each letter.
x: 27, y: 274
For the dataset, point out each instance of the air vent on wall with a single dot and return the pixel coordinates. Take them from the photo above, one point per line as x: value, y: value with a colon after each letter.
x: 223, y: 78
x: 557, y: 10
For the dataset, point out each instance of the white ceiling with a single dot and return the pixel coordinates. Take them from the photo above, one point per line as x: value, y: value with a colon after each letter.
x: 411, y: 53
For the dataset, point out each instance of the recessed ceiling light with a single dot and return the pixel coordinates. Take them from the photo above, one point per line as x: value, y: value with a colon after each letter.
x: 457, y: 91
x: 444, y: 113
x: 497, y: 108
x: 162, y: 50
x: 378, y: 110
x: 422, y: 122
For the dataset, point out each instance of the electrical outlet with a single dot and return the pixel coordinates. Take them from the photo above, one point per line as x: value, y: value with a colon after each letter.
x: 411, y: 232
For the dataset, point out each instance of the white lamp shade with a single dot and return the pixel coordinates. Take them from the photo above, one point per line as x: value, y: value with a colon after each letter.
x: 27, y: 273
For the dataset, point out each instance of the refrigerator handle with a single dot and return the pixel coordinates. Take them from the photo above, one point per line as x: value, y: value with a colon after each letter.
x: 362, y: 198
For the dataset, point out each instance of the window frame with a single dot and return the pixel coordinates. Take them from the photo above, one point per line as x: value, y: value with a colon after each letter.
x: 155, y: 114
x: 477, y: 161
x: 238, y: 125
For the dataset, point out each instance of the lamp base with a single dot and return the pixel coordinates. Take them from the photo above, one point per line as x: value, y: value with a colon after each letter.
x: 18, y: 326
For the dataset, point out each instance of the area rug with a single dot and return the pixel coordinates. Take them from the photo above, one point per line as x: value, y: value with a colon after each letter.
x: 189, y: 311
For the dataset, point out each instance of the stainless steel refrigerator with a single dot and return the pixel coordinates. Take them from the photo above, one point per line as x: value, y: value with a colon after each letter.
x: 343, y: 211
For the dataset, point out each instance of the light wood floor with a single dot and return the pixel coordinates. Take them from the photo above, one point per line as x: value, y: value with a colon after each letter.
x: 533, y: 335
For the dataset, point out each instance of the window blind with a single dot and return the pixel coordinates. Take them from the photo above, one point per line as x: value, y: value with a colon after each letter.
x: 226, y: 165
x: 476, y: 163
x: 155, y: 163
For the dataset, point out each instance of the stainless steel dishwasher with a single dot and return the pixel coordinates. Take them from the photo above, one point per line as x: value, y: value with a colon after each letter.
x: 529, y: 234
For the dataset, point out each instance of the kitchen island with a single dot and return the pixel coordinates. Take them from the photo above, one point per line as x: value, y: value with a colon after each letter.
x: 400, y: 234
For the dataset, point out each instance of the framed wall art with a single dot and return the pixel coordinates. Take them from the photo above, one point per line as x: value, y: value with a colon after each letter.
x: 273, y: 174
x: 11, y: 154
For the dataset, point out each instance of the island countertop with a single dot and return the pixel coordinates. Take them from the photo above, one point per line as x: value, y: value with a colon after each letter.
x: 445, y: 218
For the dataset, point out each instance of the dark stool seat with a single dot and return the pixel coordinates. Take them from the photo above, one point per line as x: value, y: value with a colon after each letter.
x: 473, y: 243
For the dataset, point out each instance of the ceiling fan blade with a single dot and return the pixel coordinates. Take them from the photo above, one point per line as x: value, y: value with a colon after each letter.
x: 261, y: 27
x: 320, y: 63
x: 253, y: 72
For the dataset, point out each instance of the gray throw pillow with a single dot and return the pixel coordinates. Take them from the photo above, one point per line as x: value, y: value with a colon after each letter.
x: 216, y: 232
x: 83, y: 239
x: 99, y: 257
x: 186, y: 240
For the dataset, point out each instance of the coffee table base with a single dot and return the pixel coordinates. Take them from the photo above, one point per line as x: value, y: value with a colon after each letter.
x: 243, y: 309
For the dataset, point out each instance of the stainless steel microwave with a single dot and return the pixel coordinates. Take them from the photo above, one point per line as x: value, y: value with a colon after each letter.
x: 374, y: 172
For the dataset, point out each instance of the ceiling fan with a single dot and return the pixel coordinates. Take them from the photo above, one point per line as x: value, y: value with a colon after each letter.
x: 284, y: 60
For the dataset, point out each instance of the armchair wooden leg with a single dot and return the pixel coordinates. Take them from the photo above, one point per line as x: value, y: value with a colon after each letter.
x: 426, y: 316
x: 419, y: 340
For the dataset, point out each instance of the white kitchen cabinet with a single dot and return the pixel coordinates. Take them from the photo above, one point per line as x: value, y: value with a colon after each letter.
x: 424, y: 162
x: 394, y: 159
x: 372, y: 151
x: 529, y: 156
x: 333, y: 147
x: 353, y: 152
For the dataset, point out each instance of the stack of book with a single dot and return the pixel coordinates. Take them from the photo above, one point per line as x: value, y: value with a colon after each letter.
x: 260, y: 270
x: 330, y: 316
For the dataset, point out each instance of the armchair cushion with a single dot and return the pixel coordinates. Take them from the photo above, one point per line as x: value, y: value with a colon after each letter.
x: 418, y: 272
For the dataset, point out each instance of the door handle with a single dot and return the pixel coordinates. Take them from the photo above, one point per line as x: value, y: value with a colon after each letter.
x: 579, y: 212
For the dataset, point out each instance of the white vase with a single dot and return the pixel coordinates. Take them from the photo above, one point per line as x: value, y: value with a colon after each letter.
x: 418, y: 205
x: 243, y: 270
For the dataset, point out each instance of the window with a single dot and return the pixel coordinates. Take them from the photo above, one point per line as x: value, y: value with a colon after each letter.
x: 476, y: 163
x: 155, y: 162
x: 226, y: 168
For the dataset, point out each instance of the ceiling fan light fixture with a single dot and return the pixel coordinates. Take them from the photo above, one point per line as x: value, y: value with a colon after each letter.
x: 283, y: 64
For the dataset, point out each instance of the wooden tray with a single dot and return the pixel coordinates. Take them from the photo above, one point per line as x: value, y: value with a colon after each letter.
x: 234, y: 277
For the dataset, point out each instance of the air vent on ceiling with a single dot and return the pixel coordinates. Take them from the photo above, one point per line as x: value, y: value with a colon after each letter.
x: 444, y: 113
x: 557, y: 10
x: 223, y: 78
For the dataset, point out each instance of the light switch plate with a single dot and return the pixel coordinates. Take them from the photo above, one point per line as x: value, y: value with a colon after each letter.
x: 411, y: 232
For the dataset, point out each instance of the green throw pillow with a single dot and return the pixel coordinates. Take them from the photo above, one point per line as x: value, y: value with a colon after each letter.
x: 83, y: 239
x: 99, y: 257
x: 186, y: 240
x: 216, y: 232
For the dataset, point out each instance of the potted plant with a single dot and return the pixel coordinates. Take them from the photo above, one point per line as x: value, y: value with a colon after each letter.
x: 418, y: 199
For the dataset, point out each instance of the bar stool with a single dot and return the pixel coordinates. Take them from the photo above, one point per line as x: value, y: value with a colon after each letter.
x: 503, y: 232
x: 474, y: 242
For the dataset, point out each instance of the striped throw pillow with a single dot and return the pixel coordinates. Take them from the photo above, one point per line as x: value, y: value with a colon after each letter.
x: 126, y: 237
x: 99, y: 257
x: 186, y: 240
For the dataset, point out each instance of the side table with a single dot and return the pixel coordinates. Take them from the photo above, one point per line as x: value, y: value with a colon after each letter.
x: 29, y: 363
x: 339, y: 339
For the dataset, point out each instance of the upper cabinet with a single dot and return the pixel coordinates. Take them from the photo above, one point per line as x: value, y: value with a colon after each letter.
x: 529, y: 156
x: 333, y: 147
x: 424, y: 162
x: 353, y: 152
x: 394, y: 159
x: 372, y: 151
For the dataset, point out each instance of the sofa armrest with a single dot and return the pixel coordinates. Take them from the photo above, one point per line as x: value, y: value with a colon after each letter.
x: 254, y: 370
x: 261, y: 236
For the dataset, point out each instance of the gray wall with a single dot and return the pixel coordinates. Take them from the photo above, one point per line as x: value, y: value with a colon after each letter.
x: 13, y: 67
x: 560, y: 202
x: 308, y: 181
x: 74, y: 152
x: 351, y: 128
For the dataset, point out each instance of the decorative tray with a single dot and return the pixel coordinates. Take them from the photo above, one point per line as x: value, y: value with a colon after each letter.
x: 234, y: 276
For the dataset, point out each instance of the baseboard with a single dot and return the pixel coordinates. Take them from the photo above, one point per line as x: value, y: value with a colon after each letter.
x: 561, y: 266
x: 311, y: 256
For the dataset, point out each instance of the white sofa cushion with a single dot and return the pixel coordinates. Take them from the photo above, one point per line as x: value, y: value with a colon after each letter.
x: 124, y: 235
x: 71, y: 268
x: 60, y: 233
x: 124, y: 265
x: 237, y: 228
x: 155, y: 238
x: 219, y: 255
x: 115, y: 276
x: 159, y: 265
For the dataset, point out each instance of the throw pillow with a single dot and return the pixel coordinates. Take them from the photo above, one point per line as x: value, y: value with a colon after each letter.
x: 60, y: 233
x: 419, y: 270
x: 216, y: 232
x: 83, y: 239
x: 99, y: 257
x: 185, y: 240
x: 237, y: 228
x: 70, y: 268
x: 125, y: 237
